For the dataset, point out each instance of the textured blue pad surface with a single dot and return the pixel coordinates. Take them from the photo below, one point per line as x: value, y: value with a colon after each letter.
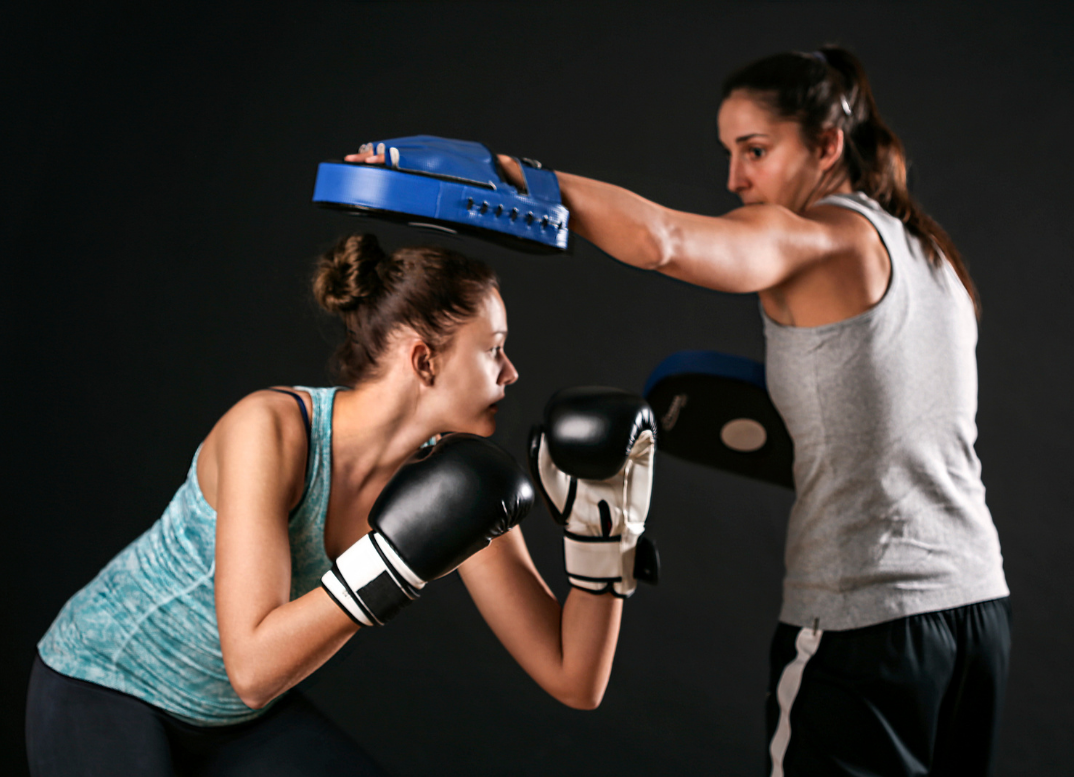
x: 695, y: 394
x: 452, y: 183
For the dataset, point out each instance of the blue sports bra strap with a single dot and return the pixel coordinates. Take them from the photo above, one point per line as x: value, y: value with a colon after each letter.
x: 309, y: 447
x: 305, y: 413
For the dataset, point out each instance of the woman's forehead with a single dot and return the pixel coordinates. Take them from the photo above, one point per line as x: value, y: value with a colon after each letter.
x: 743, y: 114
x: 490, y: 316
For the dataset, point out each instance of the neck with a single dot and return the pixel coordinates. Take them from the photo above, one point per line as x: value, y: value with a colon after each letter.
x: 377, y: 426
x: 832, y: 182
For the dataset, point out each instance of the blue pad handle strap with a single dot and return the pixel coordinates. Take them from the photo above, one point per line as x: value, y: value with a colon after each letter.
x: 713, y: 409
x: 540, y: 183
x: 460, y: 160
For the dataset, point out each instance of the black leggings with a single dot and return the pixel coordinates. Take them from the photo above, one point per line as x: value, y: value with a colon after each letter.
x: 79, y: 728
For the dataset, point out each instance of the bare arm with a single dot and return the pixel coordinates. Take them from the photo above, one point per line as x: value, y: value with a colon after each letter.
x: 750, y: 249
x: 269, y: 643
x: 567, y: 650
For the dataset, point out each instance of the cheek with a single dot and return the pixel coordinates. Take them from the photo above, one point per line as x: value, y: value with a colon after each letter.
x: 479, y: 379
x: 789, y: 177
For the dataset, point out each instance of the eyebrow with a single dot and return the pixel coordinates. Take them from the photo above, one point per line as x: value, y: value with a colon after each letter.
x: 744, y: 138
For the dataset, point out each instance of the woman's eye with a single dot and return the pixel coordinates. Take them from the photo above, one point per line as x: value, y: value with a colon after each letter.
x: 755, y: 152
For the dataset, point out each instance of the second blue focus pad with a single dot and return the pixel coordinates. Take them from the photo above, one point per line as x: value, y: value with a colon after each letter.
x: 452, y: 183
x: 714, y: 409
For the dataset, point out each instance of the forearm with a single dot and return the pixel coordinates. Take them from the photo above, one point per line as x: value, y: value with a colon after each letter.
x: 589, y: 633
x: 567, y: 649
x: 285, y: 647
x: 623, y: 224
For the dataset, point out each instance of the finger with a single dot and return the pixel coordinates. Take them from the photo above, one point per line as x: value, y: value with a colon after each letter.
x: 512, y: 170
x: 365, y: 157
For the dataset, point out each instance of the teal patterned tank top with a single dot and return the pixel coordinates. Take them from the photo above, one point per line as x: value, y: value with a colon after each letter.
x: 146, y: 625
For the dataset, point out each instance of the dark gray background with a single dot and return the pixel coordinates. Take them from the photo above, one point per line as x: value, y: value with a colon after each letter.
x: 157, y: 238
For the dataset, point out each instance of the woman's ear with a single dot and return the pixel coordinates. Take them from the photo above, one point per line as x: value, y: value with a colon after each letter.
x: 423, y: 362
x: 830, y: 148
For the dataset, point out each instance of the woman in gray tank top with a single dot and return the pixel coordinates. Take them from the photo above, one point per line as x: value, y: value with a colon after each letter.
x: 891, y: 653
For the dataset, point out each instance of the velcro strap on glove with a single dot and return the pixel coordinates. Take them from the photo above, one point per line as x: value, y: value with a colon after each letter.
x: 370, y: 582
x: 593, y: 562
x: 452, y: 181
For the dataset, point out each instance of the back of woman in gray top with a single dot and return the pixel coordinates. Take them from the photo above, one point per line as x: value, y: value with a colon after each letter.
x: 890, y: 516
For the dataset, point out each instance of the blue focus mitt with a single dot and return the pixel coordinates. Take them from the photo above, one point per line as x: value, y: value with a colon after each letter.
x: 714, y: 409
x: 453, y: 184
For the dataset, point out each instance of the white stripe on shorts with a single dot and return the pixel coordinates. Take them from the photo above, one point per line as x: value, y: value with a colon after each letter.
x: 790, y: 681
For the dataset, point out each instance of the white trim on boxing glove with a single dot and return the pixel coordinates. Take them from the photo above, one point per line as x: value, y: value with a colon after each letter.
x: 592, y: 560
x: 339, y: 594
x: 375, y: 580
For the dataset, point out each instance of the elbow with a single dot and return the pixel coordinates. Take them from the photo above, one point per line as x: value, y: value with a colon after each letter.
x: 658, y: 247
x: 251, y: 689
x: 254, y: 701
x: 252, y: 695
x: 585, y: 703
x: 662, y: 243
x: 581, y: 698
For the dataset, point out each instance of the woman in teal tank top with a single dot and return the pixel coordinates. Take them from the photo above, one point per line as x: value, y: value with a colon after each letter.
x: 180, y: 653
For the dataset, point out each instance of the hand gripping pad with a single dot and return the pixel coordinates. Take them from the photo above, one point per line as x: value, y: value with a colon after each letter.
x: 453, y: 183
x: 714, y: 409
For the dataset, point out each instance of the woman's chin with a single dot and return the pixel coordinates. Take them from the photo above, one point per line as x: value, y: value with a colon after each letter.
x: 482, y: 427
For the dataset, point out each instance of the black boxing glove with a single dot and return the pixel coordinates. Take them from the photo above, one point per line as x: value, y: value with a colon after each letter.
x: 441, y: 507
x: 593, y: 461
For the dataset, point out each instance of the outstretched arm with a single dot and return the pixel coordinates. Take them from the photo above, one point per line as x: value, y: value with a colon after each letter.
x: 749, y: 249
x: 568, y: 649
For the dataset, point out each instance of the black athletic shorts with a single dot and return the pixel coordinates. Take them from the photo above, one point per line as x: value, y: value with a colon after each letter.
x: 78, y: 728
x: 915, y: 696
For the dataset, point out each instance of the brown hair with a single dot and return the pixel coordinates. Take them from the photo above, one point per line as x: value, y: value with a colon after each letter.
x: 431, y: 290
x: 828, y: 88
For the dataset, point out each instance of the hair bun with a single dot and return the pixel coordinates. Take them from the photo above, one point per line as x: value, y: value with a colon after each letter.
x: 348, y: 273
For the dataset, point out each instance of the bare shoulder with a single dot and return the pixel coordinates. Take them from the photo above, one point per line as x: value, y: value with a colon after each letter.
x: 265, y: 427
x: 849, y: 232
x: 851, y: 277
x: 264, y: 412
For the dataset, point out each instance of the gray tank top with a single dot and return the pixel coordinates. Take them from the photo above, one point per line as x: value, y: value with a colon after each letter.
x: 890, y: 517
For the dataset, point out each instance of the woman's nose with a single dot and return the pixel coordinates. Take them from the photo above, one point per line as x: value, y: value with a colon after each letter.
x: 736, y: 180
x: 508, y: 374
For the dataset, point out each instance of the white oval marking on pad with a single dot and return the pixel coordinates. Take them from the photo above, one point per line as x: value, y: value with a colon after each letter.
x: 744, y: 435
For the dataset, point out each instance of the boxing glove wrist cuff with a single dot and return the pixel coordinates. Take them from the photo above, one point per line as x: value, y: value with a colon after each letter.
x: 339, y: 594
x: 375, y: 580
x: 591, y: 562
